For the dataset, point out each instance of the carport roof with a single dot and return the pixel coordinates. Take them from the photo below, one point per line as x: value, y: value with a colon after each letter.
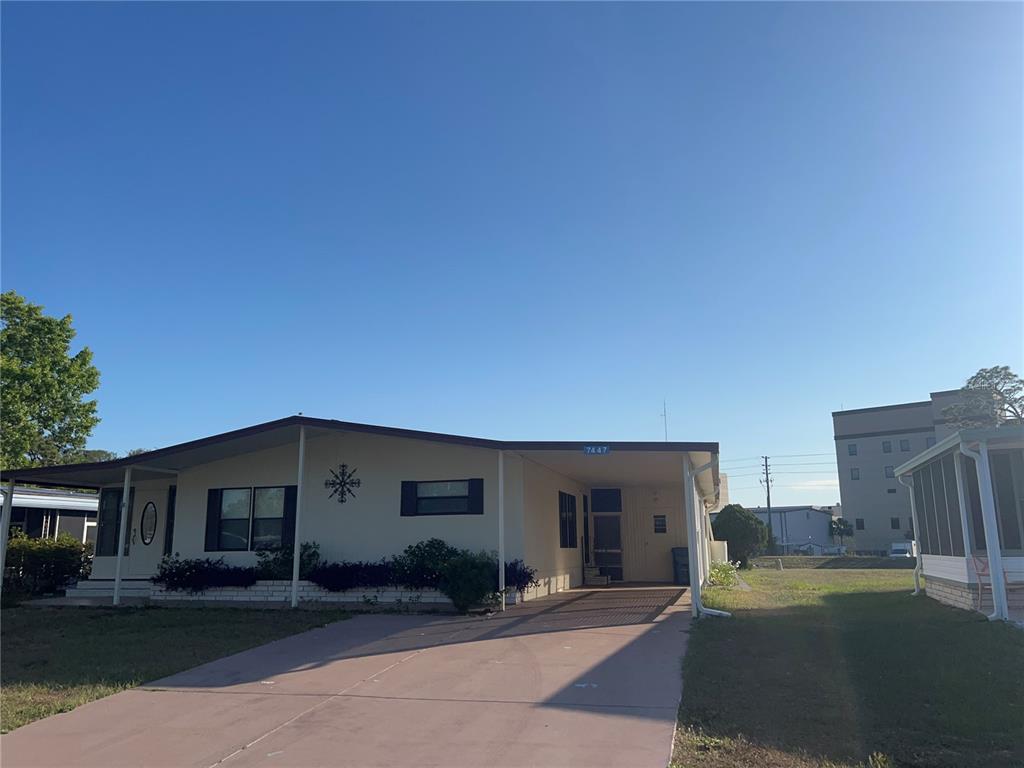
x: 159, y: 462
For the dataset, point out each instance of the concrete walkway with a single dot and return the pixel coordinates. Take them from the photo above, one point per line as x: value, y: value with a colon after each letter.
x: 583, y: 678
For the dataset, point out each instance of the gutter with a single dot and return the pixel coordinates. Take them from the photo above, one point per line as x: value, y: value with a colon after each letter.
x: 698, y: 537
x: 988, y: 517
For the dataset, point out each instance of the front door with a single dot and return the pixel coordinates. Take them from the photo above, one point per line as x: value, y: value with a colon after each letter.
x: 146, y: 527
x: 606, y: 507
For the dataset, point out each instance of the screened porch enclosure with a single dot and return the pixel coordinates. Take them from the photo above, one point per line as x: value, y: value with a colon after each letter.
x: 968, y: 511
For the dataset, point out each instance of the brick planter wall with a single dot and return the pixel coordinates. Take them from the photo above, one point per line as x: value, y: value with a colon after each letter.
x: 280, y: 591
x: 953, y: 593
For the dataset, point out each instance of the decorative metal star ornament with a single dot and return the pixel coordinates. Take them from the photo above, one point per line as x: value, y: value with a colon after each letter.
x: 342, y: 482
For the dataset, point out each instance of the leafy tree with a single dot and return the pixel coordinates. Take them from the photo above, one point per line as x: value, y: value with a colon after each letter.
x: 43, y: 414
x: 90, y: 455
x: 990, y: 397
x: 841, y: 528
x: 746, y: 535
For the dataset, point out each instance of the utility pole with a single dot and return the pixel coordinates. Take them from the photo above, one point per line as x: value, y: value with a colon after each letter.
x: 767, y: 481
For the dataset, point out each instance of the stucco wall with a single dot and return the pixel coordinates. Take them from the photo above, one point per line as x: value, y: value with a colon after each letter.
x: 646, y: 555
x: 557, y: 568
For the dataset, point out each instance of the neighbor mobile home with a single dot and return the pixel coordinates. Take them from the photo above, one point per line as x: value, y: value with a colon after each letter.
x: 613, y: 510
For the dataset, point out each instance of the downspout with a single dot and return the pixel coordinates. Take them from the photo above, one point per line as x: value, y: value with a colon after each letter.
x: 917, y: 542
x: 697, y: 540
x: 988, y: 517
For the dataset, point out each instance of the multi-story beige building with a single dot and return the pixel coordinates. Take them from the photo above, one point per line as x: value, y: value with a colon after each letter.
x: 870, y: 444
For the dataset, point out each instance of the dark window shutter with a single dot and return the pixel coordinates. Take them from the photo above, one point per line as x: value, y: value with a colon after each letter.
x: 408, y: 498
x: 108, y: 520
x: 476, y: 496
x: 212, y: 519
x: 172, y: 495
x: 572, y: 522
x: 288, y: 529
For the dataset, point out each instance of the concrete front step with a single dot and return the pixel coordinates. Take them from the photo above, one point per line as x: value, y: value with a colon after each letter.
x: 105, y: 588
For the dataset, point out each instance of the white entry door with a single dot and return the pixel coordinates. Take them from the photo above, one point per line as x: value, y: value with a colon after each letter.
x: 146, y: 534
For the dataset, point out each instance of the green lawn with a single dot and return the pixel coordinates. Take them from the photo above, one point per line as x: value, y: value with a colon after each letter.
x: 844, y: 668
x: 54, y: 659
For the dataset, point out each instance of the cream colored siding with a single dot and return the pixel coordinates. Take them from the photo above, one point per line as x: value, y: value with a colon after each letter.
x: 557, y: 568
x: 647, y: 556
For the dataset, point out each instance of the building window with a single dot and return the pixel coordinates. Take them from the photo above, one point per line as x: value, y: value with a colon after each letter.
x: 859, y: 523
x: 267, y: 517
x: 240, y: 519
x: 929, y: 442
x: 442, y: 497
x: 904, y: 445
x: 890, y: 490
x: 854, y: 473
x: 233, y: 519
x: 660, y: 524
x: 887, y: 446
x: 566, y: 520
x: 894, y: 523
x: 851, y: 449
x: 889, y: 472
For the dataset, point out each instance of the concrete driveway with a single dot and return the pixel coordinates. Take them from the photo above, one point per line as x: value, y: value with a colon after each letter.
x: 583, y: 678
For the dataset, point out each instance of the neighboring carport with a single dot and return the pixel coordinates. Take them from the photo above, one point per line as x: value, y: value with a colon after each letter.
x: 582, y: 678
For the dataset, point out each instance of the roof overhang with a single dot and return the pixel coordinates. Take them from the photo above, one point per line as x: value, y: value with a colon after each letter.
x: 650, y: 461
x: 1007, y: 436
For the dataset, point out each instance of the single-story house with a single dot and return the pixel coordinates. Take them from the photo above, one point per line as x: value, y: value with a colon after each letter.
x: 45, y: 513
x: 362, y: 492
x: 803, y: 529
x: 967, y: 505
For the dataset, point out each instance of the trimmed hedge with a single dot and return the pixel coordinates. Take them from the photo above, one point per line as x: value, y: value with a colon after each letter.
x: 466, y: 578
x: 176, y: 574
x: 44, y: 566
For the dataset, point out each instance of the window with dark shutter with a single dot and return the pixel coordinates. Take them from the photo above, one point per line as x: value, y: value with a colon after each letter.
x: 566, y: 520
x: 442, y: 497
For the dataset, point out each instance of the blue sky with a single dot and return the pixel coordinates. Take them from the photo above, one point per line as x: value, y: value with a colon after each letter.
x: 520, y: 221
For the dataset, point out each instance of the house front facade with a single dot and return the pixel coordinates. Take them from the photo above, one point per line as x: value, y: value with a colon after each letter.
x: 362, y: 493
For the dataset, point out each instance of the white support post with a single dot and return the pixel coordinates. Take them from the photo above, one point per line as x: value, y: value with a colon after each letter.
x: 917, y: 537
x: 988, y: 516
x: 689, y: 497
x: 501, y: 527
x: 297, y: 545
x: 5, y: 527
x: 961, y: 495
x: 126, y: 500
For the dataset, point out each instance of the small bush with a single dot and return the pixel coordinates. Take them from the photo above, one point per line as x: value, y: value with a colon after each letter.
x: 723, y: 574
x: 468, y: 579
x: 194, y: 576
x: 340, y: 577
x: 420, y: 566
x: 519, y: 576
x: 43, y: 566
x: 276, y: 562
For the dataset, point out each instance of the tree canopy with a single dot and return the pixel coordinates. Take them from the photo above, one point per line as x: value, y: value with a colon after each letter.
x: 44, y: 415
x: 989, y: 398
x: 746, y: 535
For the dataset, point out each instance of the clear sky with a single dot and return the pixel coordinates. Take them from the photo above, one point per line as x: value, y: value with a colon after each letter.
x: 520, y: 221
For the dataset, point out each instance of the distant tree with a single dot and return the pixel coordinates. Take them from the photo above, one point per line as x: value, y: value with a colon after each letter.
x: 840, y: 528
x: 747, y: 536
x: 90, y: 455
x: 44, y: 415
x: 989, y: 398
x: 137, y: 451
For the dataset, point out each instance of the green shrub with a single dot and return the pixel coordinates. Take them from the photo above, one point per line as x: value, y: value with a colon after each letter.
x: 420, y: 566
x: 340, y: 577
x: 44, y: 566
x: 276, y: 562
x: 519, y: 576
x: 468, y: 579
x: 747, y: 536
x: 723, y: 574
x: 181, y: 575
